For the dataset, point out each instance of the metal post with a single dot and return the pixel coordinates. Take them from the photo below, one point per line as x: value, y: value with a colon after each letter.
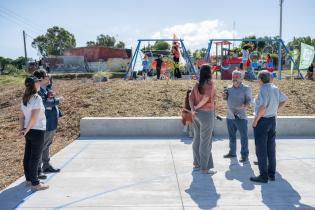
x: 25, y: 53
x: 132, y: 59
x: 136, y: 56
x: 185, y: 52
x: 292, y: 60
x: 279, y: 60
x: 279, y: 42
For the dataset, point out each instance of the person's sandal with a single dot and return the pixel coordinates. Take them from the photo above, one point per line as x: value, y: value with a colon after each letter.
x: 40, y: 186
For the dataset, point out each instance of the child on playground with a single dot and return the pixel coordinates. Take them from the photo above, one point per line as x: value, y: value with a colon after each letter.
x: 146, y: 66
x: 159, y: 62
x: 245, y: 57
x: 187, y: 116
x: 269, y: 65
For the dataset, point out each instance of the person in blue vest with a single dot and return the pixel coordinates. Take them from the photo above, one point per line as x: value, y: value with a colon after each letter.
x: 52, y: 114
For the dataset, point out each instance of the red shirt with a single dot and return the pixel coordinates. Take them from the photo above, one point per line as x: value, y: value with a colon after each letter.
x: 209, y: 91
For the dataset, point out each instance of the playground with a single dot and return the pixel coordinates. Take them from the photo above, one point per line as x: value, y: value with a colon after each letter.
x: 250, y: 55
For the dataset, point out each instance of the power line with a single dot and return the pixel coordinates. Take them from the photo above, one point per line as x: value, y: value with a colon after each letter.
x: 17, y: 23
x: 20, y: 23
x: 21, y: 18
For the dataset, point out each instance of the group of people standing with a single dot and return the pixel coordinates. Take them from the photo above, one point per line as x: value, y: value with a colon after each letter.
x: 38, y: 123
x: 239, y: 98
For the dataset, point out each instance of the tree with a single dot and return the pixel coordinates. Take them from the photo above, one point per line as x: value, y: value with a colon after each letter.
x: 54, y: 42
x: 90, y: 44
x: 19, y: 62
x: 120, y: 44
x: 3, y: 63
x: 296, y: 42
x: 105, y: 40
x: 161, y: 45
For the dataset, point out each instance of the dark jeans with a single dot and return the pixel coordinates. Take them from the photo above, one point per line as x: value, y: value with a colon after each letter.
x: 158, y: 73
x: 241, y: 125
x: 34, y: 142
x: 177, y: 72
x: 265, y: 142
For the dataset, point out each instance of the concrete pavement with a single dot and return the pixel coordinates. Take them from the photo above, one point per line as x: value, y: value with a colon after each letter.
x: 157, y: 174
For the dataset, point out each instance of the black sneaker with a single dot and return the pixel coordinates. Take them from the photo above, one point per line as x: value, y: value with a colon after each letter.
x: 229, y: 156
x: 244, y: 160
x: 259, y: 179
x: 42, y: 176
x: 51, y: 169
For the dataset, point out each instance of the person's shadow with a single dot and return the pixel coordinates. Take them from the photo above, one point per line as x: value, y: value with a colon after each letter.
x: 280, y: 194
x: 240, y: 173
x: 202, y: 191
x: 12, y: 197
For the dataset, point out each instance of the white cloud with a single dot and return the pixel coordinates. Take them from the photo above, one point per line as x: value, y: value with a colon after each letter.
x: 196, y: 34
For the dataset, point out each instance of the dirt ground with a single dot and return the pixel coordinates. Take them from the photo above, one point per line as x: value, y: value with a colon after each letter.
x: 84, y: 98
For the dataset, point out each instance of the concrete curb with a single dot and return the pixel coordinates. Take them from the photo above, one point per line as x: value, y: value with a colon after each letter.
x: 172, y: 126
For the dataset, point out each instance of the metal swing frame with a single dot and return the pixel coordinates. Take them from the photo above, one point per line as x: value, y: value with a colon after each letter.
x: 133, y: 60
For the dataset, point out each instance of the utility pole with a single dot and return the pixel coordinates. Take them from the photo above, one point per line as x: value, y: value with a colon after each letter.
x: 233, y: 34
x: 280, y: 37
x: 280, y: 31
x: 25, y: 53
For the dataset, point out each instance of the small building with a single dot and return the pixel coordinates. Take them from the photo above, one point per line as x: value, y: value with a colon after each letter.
x: 102, y: 58
x: 89, y: 59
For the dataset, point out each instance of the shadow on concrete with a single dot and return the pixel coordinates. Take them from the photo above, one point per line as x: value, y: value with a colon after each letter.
x: 240, y: 173
x: 202, y: 191
x: 14, y: 196
x: 281, y: 195
x: 186, y: 140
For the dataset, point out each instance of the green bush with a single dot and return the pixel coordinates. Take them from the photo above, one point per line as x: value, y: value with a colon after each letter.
x: 11, y: 70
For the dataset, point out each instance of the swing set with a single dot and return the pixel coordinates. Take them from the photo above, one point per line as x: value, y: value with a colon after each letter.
x: 133, y: 61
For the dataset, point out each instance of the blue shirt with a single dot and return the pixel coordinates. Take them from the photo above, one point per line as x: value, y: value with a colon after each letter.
x: 270, y: 97
x: 146, y: 64
x: 238, y: 96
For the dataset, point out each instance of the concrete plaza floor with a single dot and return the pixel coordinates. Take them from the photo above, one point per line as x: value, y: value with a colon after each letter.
x: 154, y: 174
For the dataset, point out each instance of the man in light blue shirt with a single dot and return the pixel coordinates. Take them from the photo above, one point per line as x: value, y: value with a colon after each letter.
x: 238, y: 98
x: 267, y: 103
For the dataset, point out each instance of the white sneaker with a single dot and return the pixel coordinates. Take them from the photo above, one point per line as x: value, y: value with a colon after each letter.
x: 211, y: 172
x: 40, y: 186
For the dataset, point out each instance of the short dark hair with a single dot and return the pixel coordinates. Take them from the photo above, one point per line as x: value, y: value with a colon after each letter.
x: 40, y: 74
x: 264, y: 76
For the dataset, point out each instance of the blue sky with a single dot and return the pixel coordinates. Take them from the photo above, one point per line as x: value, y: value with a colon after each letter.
x: 195, y: 21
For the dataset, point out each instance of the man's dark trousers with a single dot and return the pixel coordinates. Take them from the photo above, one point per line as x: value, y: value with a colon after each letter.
x: 265, y: 142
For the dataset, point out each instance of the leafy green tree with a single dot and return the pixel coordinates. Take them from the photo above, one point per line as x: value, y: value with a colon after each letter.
x: 296, y: 42
x: 19, y: 62
x: 54, y: 42
x: 90, y: 44
x: 161, y: 45
x: 105, y: 40
x: 3, y: 63
x: 120, y: 44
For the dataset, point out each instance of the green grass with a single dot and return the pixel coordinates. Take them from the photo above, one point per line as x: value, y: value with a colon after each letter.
x: 12, y: 79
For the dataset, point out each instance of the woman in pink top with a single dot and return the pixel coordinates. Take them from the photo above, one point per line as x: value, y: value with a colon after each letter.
x: 201, y: 101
